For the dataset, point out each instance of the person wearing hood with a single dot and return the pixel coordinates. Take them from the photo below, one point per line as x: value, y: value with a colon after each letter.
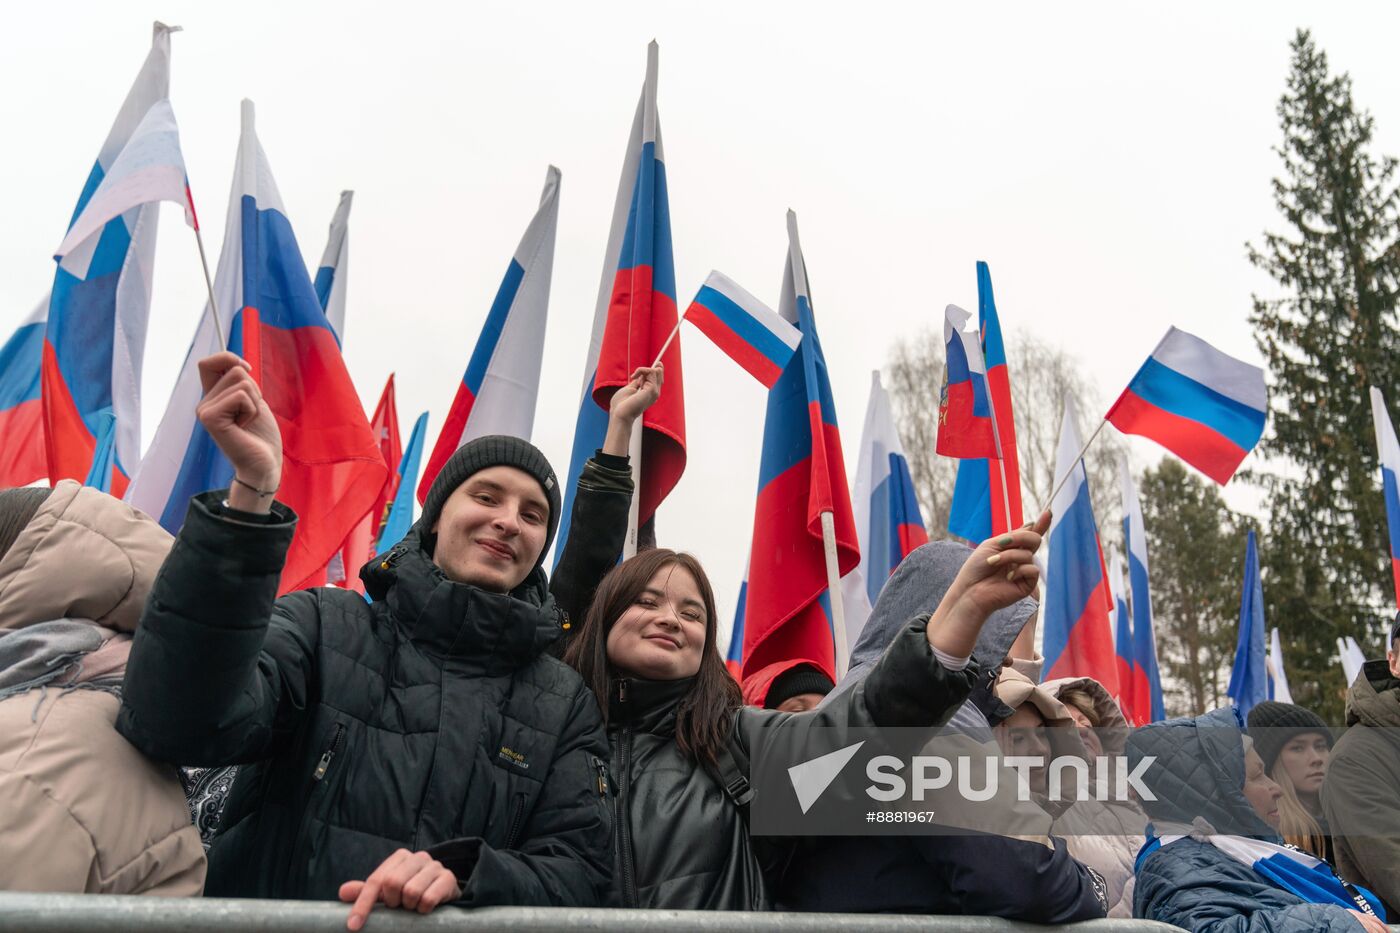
x: 1296, y: 746
x: 419, y: 749
x: 1213, y: 858
x: 682, y: 741
x: 1102, y: 835
x: 1019, y: 874
x: 1108, y: 833
x: 84, y: 811
x: 1361, y: 796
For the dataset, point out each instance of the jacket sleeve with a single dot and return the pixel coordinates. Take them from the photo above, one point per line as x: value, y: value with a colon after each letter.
x: 1050, y: 887
x: 565, y: 858
x: 597, y: 530
x: 1358, y: 799
x: 221, y: 671
x: 1197, y: 895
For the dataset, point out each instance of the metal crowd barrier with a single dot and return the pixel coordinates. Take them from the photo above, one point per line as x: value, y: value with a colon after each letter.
x: 93, y: 913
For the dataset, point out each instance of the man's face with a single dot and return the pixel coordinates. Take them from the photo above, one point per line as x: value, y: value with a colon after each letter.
x: 492, y: 529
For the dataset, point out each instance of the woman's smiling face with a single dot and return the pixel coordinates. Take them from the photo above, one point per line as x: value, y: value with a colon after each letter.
x: 661, y: 636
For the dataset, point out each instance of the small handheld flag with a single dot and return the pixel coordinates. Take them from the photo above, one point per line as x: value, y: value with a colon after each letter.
x: 753, y: 334
x: 1248, y: 678
x: 964, y: 413
x: 1205, y: 406
x: 1389, y: 451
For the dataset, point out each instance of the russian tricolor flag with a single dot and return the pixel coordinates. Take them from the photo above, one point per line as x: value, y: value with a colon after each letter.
x: 636, y: 312
x: 332, y: 469
x: 1147, y: 687
x: 888, y: 521
x: 332, y: 276
x: 1389, y: 452
x: 1078, y: 639
x: 22, y: 453
x: 1123, y: 642
x: 498, y: 391
x: 802, y: 475
x: 96, y: 328
x: 964, y: 415
x: 987, y: 494
x: 753, y: 334
x: 1204, y: 406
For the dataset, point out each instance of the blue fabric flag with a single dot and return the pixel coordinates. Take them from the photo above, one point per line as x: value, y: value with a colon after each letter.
x: 1249, y: 679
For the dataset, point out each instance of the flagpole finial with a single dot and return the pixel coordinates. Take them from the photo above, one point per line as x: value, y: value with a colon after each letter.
x: 246, y: 115
x: 159, y: 29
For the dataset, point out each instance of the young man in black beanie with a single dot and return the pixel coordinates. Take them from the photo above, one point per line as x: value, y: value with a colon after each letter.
x: 1361, y: 796
x: 417, y: 750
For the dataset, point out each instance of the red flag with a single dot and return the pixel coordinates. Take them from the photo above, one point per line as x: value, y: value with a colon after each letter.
x: 358, y: 548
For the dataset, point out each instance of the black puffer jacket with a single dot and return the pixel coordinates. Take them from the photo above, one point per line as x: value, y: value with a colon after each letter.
x: 681, y: 843
x: 431, y: 717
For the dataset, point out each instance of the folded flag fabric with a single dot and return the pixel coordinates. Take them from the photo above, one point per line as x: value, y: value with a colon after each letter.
x: 149, y: 168
x: 400, y: 517
x: 95, y: 334
x: 100, y: 474
x: 1389, y: 451
x: 1147, y: 688
x: 1284, y: 866
x: 964, y: 413
x: 1248, y: 678
x: 753, y: 334
x: 1278, y: 677
x: 1203, y: 405
x: 333, y: 273
x: 1123, y: 644
x: 22, y: 456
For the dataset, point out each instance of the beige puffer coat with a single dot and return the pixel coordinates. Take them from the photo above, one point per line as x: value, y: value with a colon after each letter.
x: 83, y: 810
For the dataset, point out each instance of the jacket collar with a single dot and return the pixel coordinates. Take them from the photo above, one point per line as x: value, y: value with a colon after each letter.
x: 492, y: 633
x: 646, y: 705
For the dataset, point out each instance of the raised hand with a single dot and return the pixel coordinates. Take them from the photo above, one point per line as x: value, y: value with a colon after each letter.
x: 627, y: 405
x: 410, y: 880
x: 240, y: 422
x: 1001, y: 571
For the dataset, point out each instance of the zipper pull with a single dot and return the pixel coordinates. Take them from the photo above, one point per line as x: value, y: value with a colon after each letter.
x: 602, y: 770
x: 622, y: 691
x: 323, y: 764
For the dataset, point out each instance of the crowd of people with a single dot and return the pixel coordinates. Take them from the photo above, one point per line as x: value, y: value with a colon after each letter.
x: 476, y: 733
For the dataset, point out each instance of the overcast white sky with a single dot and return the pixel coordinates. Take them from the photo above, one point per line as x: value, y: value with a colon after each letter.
x: 1108, y: 160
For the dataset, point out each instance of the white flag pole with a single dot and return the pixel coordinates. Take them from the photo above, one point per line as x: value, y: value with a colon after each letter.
x: 634, y: 452
x: 833, y: 590
x: 1061, y: 482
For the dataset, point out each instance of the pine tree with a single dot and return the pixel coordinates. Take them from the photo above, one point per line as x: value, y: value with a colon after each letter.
x: 1196, y: 548
x: 1329, y: 336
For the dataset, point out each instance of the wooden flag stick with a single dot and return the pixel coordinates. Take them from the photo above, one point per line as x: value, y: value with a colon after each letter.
x: 204, y: 262
x: 667, y: 345
x: 833, y: 592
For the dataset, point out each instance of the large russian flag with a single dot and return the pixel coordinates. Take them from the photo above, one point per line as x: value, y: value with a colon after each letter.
x: 1147, y: 688
x: 1205, y: 406
x: 96, y: 328
x: 1389, y: 452
x: 964, y: 415
x: 497, y: 393
x: 635, y: 313
x: 22, y: 455
x: 1078, y: 638
x: 332, y: 276
x: 802, y: 474
x: 359, y: 546
x: 332, y: 468
x: 1123, y: 643
x: 979, y: 508
x: 888, y: 522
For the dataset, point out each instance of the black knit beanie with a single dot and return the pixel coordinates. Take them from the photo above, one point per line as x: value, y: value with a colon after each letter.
x: 794, y: 682
x: 17, y: 508
x: 1394, y: 630
x: 1273, y: 725
x: 480, y: 454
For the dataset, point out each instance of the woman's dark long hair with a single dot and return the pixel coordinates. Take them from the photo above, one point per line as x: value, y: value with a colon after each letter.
x: 705, y: 713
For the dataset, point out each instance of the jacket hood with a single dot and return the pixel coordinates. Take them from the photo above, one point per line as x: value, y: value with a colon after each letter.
x: 84, y: 555
x: 1374, y: 699
x: 496, y: 632
x: 1014, y: 690
x: 1113, y: 725
x: 916, y: 588
x: 1198, y: 772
